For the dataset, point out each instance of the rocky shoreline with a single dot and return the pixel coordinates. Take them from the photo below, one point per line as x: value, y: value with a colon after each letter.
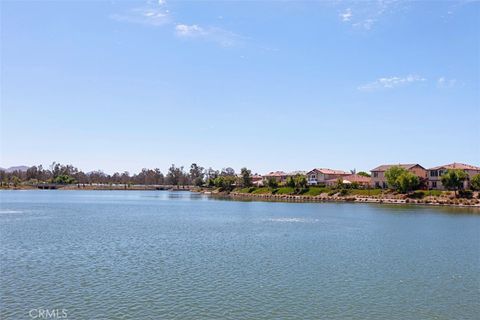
x: 431, y: 201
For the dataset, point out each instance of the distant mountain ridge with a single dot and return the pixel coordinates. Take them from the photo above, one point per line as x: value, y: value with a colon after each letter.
x: 15, y: 168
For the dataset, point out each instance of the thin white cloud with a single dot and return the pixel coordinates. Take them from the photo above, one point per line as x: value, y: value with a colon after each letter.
x: 365, y: 14
x: 444, y: 82
x: 153, y: 15
x: 193, y: 30
x: 346, y: 15
x: 220, y: 36
x: 391, y: 82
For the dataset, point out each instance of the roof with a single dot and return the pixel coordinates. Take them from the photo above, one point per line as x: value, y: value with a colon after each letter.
x: 456, y: 165
x: 329, y: 171
x: 407, y: 166
x: 357, y: 178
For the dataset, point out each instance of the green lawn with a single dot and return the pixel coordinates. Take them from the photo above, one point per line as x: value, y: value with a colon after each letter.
x: 285, y: 190
x: 246, y: 190
x: 315, y: 191
x: 262, y: 190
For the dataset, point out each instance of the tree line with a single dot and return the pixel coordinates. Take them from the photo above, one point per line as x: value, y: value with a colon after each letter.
x: 58, y: 173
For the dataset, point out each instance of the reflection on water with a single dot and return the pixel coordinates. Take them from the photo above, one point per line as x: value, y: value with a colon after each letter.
x: 182, y: 255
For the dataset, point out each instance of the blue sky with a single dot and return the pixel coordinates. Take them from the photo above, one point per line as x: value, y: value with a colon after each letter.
x: 119, y: 85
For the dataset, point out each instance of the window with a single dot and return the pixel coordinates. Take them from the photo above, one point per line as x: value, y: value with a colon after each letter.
x: 375, y: 174
x: 434, y: 184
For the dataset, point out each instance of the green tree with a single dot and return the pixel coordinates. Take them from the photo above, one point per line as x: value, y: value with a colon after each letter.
x: 475, y: 182
x: 196, y: 174
x: 225, y: 183
x: 16, y: 181
x: 407, y: 181
x: 338, y: 184
x: 290, y: 182
x: 272, y: 183
x: 453, y: 179
x: 392, y: 174
x: 175, y: 175
x: 64, y: 179
x: 246, y: 177
x: 300, y: 182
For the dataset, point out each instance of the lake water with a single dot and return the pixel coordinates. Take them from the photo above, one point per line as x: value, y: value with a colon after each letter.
x: 179, y: 255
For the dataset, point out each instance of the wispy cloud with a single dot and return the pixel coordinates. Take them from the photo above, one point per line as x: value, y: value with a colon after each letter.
x: 220, y: 36
x: 444, y: 82
x: 391, y: 82
x: 365, y: 14
x: 154, y: 15
x: 346, y: 15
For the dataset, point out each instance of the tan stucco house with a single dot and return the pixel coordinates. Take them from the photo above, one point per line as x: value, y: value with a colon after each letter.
x: 434, y: 174
x: 321, y: 175
x: 378, y: 179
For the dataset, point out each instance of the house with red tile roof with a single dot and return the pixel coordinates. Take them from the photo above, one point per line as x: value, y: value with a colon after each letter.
x: 321, y: 175
x: 378, y: 179
x: 435, y: 174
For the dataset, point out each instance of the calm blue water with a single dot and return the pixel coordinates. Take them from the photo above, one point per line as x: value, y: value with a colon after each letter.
x: 177, y: 255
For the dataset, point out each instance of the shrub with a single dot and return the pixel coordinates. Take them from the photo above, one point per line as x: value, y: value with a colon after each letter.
x: 272, y: 183
x: 419, y: 194
x: 433, y: 193
x: 467, y: 194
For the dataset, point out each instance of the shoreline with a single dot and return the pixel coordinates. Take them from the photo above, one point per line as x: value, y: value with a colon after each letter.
x: 430, y: 201
x: 437, y: 201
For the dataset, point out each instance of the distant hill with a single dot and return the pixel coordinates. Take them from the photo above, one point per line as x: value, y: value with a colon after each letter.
x: 16, y: 168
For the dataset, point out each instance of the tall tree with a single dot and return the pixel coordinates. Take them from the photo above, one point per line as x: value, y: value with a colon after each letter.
x: 407, y: 181
x: 196, y: 174
x: 174, y: 175
x: 453, y: 179
x: 246, y: 177
x: 227, y: 172
x: 475, y: 182
x: 392, y: 175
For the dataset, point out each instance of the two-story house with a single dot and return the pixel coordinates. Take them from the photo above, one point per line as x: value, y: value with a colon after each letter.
x: 435, y: 174
x: 322, y: 175
x: 378, y: 179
